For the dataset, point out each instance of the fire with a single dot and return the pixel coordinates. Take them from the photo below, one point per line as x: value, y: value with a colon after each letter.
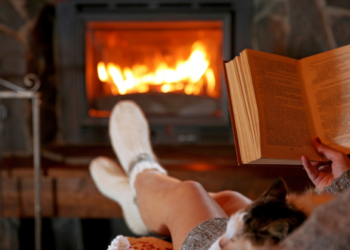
x: 193, y: 76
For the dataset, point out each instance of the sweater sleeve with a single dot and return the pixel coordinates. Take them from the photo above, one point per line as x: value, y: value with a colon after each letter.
x: 340, y: 184
x: 328, y: 226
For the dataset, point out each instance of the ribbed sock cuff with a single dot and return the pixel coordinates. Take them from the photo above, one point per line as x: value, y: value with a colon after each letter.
x: 142, y: 166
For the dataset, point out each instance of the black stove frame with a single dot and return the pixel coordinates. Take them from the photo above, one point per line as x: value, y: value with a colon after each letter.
x: 77, y: 127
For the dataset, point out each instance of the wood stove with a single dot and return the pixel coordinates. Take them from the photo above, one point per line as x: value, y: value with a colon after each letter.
x: 164, y: 55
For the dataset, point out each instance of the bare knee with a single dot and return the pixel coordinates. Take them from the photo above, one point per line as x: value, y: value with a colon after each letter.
x: 226, y: 195
x: 186, y: 189
x: 189, y: 187
x: 231, y: 201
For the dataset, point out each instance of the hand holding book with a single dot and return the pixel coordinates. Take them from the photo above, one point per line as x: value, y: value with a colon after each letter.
x: 278, y: 104
x: 323, y: 175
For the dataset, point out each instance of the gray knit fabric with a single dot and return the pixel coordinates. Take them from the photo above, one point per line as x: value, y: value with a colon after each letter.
x: 339, y: 185
x: 327, y: 228
x: 205, y: 234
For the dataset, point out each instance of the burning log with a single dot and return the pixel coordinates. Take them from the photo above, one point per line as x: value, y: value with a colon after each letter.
x: 163, y: 103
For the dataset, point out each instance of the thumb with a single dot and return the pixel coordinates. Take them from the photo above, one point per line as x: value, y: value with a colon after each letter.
x: 311, y: 171
x: 330, y: 153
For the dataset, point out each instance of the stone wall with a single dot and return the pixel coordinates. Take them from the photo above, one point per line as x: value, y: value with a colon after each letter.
x: 21, y: 52
x: 17, y: 18
x: 300, y: 28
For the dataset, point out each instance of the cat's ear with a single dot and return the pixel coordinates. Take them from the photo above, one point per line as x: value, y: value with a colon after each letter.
x: 277, y: 191
x: 278, y: 229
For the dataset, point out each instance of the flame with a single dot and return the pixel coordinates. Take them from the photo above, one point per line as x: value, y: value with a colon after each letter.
x: 193, y: 76
x: 211, y: 81
x: 102, y: 72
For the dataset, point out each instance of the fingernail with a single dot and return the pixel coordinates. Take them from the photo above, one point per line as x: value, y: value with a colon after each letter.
x: 318, y: 140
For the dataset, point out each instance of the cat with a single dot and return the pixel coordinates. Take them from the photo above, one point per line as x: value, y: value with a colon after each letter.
x: 269, y: 219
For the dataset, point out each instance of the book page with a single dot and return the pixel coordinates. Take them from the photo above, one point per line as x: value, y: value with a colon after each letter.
x: 241, y: 112
x: 327, y: 84
x: 286, y: 130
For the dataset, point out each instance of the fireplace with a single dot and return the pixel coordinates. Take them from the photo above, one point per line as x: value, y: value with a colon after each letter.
x: 166, y: 56
x: 173, y: 71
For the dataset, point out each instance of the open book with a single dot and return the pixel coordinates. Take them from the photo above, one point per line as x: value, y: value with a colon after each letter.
x: 278, y: 104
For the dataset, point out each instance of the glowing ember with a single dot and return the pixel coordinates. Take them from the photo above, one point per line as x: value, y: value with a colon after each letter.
x: 193, y: 76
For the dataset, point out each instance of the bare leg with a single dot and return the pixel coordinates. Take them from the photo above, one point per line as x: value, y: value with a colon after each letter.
x: 169, y: 206
x: 231, y: 201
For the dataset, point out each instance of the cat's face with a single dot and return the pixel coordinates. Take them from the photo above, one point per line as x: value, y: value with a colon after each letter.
x: 266, y: 221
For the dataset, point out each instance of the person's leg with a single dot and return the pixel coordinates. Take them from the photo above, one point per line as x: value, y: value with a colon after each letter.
x: 169, y: 206
x: 113, y: 183
x: 231, y: 201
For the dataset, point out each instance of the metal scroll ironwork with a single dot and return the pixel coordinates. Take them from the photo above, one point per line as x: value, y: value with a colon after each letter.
x: 16, y: 92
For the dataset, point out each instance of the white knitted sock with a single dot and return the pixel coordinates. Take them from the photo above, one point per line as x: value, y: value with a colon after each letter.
x: 139, y: 168
x: 119, y: 243
x: 112, y: 182
x: 129, y: 134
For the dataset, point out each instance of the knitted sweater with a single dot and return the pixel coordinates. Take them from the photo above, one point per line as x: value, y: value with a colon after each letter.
x: 328, y: 227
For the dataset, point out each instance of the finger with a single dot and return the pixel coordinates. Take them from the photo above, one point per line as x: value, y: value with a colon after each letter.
x: 330, y: 153
x: 325, y: 168
x: 310, y: 170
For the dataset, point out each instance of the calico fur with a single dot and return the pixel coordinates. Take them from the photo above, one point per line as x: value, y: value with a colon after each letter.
x: 269, y: 219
